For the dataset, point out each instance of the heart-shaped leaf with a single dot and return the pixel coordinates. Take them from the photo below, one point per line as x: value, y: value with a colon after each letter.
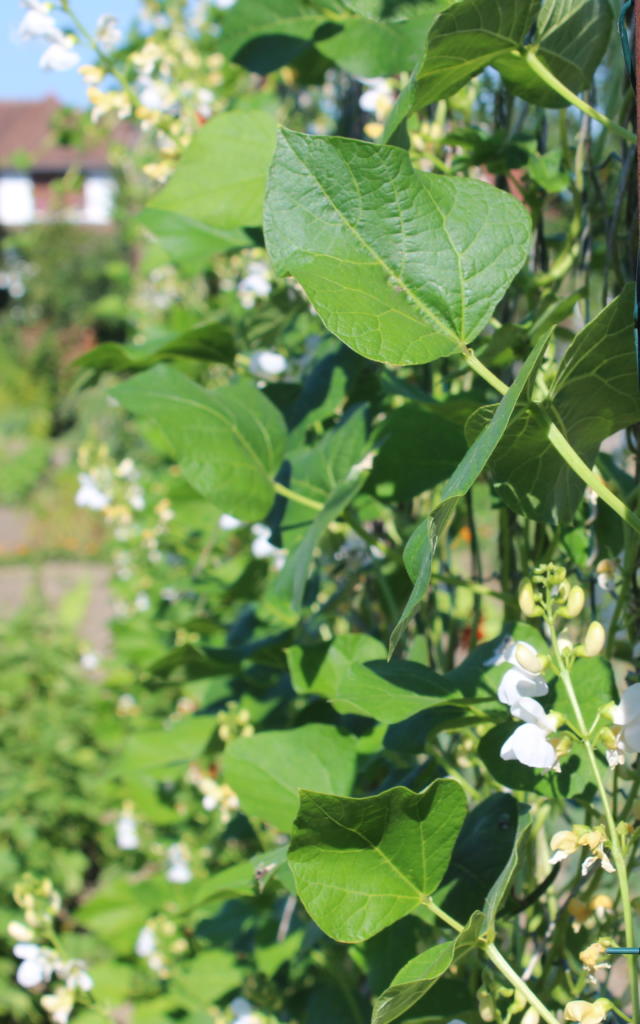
x: 402, y: 266
x: 361, y: 864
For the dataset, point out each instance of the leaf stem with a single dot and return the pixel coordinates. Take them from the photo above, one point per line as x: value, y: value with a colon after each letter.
x: 495, y: 956
x: 300, y: 499
x: 548, y: 77
x: 505, y: 968
x: 564, y: 448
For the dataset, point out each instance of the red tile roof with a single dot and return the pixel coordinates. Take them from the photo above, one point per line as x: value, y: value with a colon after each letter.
x: 25, y: 129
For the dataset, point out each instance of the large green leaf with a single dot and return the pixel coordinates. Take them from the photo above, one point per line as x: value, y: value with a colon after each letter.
x: 421, y: 546
x: 464, y: 39
x: 220, y: 179
x: 594, y: 395
x: 402, y: 266
x: 419, y: 975
x: 571, y: 39
x: 361, y: 864
x: 229, y: 442
x: 250, y: 19
x: 267, y: 770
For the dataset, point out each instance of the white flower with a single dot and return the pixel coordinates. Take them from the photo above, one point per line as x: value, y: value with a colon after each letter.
x: 75, y: 975
x: 58, y: 1005
x: 89, y: 494
x: 529, y: 745
x: 38, y: 24
x: 38, y: 964
x: 267, y: 364
x: 108, y: 33
x: 58, y: 57
x: 518, y: 682
x: 142, y: 602
x: 127, y: 837
x: 377, y: 99
x: 627, y: 717
x: 261, y: 546
x: 243, y: 1012
x: 256, y: 284
x: 89, y: 661
x: 227, y: 522
x: 146, y: 942
x: 223, y: 5
x: 179, y: 872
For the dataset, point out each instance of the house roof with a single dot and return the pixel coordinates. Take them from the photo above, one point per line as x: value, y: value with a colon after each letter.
x: 25, y: 128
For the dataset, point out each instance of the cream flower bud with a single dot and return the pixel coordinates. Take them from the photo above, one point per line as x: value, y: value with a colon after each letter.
x: 594, y: 640
x: 575, y: 603
x: 527, y: 600
x: 530, y: 660
x: 585, y: 1012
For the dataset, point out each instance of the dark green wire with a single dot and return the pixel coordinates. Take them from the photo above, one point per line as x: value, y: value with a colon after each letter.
x: 629, y: 64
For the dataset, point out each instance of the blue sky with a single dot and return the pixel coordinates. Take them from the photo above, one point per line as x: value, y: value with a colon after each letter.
x: 20, y: 76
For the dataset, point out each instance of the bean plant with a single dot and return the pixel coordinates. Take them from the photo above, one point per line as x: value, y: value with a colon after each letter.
x: 375, y: 527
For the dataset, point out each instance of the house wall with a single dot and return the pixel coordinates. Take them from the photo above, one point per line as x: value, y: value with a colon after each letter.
x: 17, y: 200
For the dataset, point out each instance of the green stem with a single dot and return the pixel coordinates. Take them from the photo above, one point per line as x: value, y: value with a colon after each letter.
x: 564, y: 448
x: 301, y: 499
x: 505, y: 968
x: 614, y: 839
x: 543, y: 73
x: 497, y: 959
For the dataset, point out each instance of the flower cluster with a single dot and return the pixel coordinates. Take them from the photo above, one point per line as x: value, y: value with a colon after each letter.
x: 40, y: 960
x: 569, y: 841
x: 215, y: 795
x: 159, y: 943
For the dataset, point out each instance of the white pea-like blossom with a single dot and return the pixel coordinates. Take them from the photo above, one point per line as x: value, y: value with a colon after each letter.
x: 267, y: 364
x: 228, y: 522
x: 59, y: 57
x: 75, y: 975
x: 108, y: 32
x: 244, y: 1012
x: 38, y: 23
x: 37, y: 966
x: 262, y: 548
x: 223, y: 5
x: 626, y: 716
x: 127, y: 837
x: 530, y: 746
x: 146, y: 942
x: 179, y: 870
x: 377, y: 98
x: 256, y: 284
x: 519, y: 682
x: 89, y: 495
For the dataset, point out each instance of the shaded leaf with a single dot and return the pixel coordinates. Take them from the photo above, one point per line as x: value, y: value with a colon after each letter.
x: 220, y: 179
x: 268, y: 770
x: 594, y: 395
x: 402, y: 266
x: 229, y: 442
x: 421, y: 546
x: 189, y: 243
x: 210, y: 340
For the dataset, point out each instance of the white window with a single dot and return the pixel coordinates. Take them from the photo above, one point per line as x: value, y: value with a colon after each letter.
x: 99, y: 194
x: 17, y: 200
